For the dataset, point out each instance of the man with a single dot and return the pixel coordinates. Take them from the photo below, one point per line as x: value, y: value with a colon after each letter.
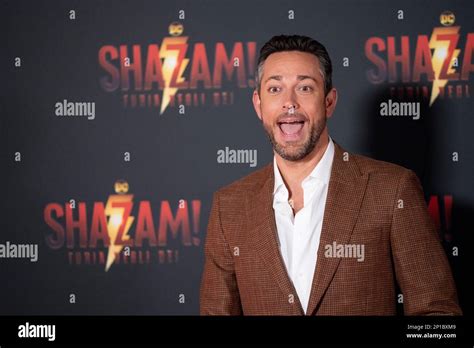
x: 319, y: 231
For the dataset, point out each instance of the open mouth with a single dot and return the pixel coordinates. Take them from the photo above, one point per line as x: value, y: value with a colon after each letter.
x: 291, y: 127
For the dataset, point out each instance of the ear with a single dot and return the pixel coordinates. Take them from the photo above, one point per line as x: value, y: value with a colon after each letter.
x: 257, y: 104
x: 331, y: 101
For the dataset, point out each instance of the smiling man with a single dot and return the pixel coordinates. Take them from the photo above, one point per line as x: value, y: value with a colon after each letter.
x: 319, y: 231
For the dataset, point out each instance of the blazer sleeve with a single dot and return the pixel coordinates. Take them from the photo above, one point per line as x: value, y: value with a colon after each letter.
x: 219, y: 294
x: 421, y: 267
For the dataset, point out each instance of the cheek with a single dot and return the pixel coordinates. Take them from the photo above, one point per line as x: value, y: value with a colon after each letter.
x: 315, y: 109
x: 270, y: 111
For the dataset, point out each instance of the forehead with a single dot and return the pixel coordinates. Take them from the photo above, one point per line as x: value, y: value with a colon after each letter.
x: 291, y: 64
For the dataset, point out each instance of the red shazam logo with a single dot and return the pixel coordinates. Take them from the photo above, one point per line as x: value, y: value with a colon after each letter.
x: 436, y: 59
x: 435, y: 212
x: 110, y: 233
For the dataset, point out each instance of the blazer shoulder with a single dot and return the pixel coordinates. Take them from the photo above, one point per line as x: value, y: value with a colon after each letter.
x: 369, y: 165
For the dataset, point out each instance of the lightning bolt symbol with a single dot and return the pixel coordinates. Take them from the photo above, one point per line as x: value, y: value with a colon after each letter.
x: 440, y: 54
x: 172, y: 60
x: 116, y: 210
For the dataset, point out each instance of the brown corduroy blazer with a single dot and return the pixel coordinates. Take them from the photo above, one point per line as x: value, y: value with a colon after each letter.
x: 374, y: 203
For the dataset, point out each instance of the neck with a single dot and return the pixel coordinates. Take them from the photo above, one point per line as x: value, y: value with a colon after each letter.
x: 294, y: 172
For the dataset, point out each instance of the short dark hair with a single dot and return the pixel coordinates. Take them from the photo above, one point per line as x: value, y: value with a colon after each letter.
x: 282, y: 43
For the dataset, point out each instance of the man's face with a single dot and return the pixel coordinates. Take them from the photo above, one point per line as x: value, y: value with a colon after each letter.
x: 292, y: 104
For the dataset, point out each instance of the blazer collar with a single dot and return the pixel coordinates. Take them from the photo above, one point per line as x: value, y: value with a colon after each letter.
x: 345, y: 193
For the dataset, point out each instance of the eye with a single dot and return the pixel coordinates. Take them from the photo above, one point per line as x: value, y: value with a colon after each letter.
x: 274, y: 89
x: 306, y: 88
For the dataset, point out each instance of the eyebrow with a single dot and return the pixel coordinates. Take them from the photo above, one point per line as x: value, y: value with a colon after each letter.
x: 299, y: 77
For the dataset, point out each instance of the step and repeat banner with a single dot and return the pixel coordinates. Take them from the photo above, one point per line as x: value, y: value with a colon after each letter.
x: 119, y: 119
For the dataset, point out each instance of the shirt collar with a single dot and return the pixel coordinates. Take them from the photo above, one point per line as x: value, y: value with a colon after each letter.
x: 322, y: 170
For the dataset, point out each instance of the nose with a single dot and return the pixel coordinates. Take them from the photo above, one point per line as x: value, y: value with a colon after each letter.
x: 290, y: 107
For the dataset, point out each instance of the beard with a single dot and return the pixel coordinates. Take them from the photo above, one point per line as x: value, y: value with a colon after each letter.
x: 293, y: 151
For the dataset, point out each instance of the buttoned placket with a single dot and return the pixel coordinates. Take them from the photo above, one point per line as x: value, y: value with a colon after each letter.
x: 302, y: 231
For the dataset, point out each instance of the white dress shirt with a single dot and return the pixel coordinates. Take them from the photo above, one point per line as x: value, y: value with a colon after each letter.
x: 299, y: 235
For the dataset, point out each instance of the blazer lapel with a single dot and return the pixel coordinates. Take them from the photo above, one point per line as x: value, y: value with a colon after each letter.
x: 263, y: 237
x: 345, y: 193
